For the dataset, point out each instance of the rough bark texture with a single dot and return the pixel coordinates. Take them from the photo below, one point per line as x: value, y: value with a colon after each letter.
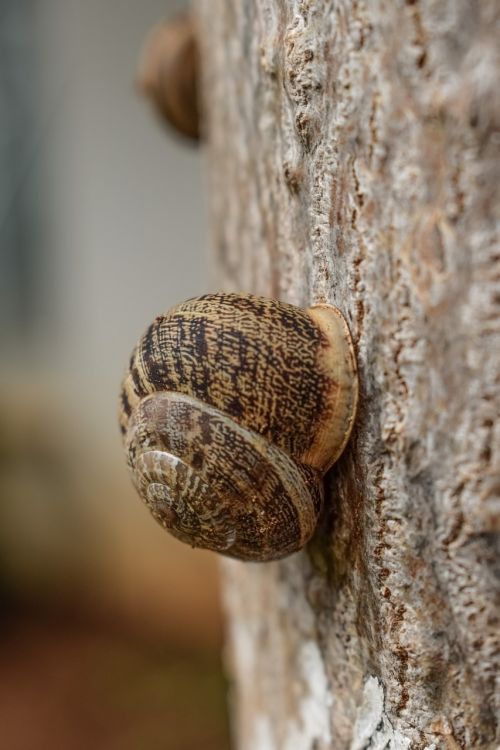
x: 352, y: 153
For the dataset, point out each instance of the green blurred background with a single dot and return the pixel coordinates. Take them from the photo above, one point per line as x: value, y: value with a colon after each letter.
x: 111, y: 630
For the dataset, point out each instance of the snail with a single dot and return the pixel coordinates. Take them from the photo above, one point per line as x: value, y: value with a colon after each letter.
x: 168, y: 74
x: 233, y: 408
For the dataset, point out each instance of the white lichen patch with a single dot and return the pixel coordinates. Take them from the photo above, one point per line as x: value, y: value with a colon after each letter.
x: 372, y: 728
x: 311, y: 726
x: 263, y: 738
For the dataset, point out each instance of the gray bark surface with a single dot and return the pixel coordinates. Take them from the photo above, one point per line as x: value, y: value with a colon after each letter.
x: 353, y: 158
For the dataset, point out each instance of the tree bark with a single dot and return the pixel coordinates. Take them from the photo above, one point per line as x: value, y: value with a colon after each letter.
x: 352, y: 157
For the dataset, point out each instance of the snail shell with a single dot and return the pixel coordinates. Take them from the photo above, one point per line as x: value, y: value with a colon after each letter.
x: 233, y: 408
x: 168, y: 74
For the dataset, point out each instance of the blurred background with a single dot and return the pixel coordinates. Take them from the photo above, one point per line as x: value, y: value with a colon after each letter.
x: 111, y: 630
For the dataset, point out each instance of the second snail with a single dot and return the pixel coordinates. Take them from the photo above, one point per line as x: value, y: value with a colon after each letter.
x: 232, y: 410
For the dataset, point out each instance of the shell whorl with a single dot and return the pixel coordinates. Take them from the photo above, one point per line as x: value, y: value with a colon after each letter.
x: 233, y: 408
x: 225, y: 486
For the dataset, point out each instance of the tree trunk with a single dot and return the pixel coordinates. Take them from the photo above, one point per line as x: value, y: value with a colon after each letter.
x: 352, y: 151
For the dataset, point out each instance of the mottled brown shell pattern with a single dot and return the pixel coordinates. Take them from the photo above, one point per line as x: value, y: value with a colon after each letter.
x: 233, y: 408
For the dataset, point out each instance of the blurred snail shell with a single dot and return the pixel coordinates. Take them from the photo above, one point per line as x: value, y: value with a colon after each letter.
x: 233, y: 408
x: 168, y: 74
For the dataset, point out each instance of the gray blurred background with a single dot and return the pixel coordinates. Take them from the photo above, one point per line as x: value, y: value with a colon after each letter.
x: 101, y: 228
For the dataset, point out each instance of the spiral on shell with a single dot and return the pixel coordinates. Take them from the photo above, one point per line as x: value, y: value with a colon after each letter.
x: 233, y: 408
